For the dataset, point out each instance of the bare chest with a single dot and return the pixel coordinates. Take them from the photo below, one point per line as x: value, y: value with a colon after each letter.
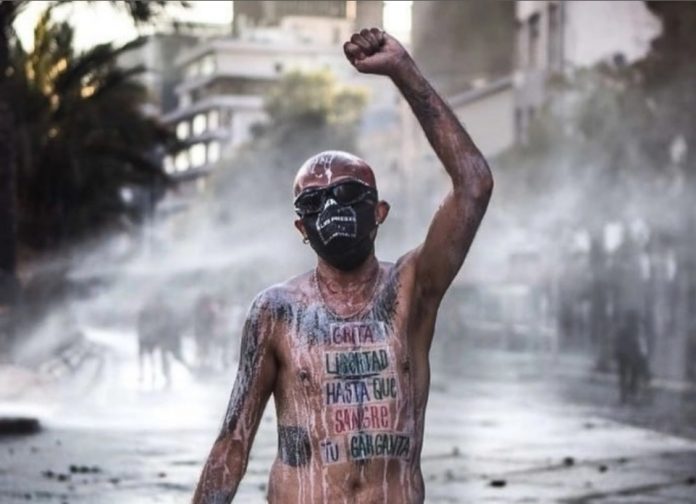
x: 348, y: 382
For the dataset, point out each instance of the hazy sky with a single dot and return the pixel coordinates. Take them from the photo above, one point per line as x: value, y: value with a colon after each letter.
x: 90, y: 27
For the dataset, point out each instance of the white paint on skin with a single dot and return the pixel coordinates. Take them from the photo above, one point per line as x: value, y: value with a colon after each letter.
x: 323, y: 165
x: 305, y: 406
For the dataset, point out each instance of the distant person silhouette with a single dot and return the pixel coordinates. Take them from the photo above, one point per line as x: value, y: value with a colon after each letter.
x: 204, y: 322
x: 158, y: 332
x: 214, y: 324
x: 631, y: 358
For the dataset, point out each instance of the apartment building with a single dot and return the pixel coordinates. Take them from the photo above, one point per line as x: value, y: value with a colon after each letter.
x: 220, y: 95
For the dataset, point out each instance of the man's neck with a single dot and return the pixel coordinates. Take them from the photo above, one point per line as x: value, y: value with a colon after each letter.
x: 338, y: 280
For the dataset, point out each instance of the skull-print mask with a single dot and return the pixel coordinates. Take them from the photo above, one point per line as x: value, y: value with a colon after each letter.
x: 342, y: 235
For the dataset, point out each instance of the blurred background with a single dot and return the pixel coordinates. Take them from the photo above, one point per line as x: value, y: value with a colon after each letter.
x: 147, y: 152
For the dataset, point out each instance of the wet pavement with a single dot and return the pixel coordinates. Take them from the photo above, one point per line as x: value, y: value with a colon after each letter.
x: 506, y: 429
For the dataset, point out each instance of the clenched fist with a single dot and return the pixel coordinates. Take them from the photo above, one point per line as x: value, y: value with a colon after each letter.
x: 375, y: 52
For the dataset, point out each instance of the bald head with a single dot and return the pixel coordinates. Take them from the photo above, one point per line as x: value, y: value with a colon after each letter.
x: 328, y: 167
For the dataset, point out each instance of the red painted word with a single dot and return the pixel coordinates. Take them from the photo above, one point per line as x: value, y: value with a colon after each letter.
x: 374, y: 416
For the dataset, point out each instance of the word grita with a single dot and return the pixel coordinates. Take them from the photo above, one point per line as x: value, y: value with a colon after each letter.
x: 364, y: 363
x: 352, y: 334
x: 360, y: 391
x: 367, y: 445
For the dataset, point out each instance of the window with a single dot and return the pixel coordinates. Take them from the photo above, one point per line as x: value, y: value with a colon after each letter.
x: 529, y: 122
x: 531, y: 115
x: 199, y: 124
x: 213, y: 120
x: 201, y: 185
x: 182, y: 130
x: 191, y: 70
x: 213, y: 152
x: 169, y: 167
x: 197, y: 153
x: 521, y: 44
x: 520, y: 126
x: 533, y: 49
x: 207, y: 65
x: 182, y: 161
x: 126, y: 194
x: 555, y: 39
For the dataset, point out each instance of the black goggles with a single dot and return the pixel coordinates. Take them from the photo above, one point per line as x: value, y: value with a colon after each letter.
x: 349, y: 192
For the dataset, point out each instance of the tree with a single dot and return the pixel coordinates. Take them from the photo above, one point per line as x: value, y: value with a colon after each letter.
x: 140, y: 11
x: 306, y: 112
x: 82, y: 136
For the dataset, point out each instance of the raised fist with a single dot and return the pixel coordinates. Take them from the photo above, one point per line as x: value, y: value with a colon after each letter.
x: 376, y: 52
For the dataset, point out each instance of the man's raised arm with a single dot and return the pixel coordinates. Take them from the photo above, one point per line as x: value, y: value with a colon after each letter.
x: 255, y: 380
x: 455, y: 223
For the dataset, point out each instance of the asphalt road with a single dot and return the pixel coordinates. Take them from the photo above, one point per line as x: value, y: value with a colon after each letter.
x: 500, y: 428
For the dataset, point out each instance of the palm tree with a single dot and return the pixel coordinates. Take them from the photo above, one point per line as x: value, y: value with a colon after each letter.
x: 140, y: 11
x: 82, y: 136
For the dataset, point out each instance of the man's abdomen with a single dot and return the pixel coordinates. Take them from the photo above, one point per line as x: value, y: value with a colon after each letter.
x: 382, y: 481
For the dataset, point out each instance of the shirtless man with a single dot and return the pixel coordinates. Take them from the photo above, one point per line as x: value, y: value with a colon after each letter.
x: 344, y: 348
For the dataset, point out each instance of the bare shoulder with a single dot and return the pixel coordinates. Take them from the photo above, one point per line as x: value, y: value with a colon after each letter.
x: 280, y: 301
x: 297, y: 285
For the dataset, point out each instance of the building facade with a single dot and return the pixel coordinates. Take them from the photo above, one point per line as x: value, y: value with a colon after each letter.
x: 486, y: 113
x: 221, y: 94
x: 555, y: 37
x: 459, y: 43
x: 468, y: 48
x: 224, y: 79
x: 339, y: 17
x: 250, y: 14
x: 157, y: 53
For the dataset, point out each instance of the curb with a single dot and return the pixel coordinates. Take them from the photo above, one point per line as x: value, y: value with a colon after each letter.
x: 611, y: 378
x: 19, y: 426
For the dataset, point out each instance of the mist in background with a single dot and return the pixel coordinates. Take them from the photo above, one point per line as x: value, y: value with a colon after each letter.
x: 588, y: 142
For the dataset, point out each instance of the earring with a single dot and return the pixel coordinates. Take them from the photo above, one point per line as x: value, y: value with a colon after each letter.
x: 305, y: 240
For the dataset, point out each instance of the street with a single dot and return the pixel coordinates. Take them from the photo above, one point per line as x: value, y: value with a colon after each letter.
x: 506, y: 428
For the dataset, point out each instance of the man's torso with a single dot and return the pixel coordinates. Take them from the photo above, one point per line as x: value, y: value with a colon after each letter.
x: 350, y: 394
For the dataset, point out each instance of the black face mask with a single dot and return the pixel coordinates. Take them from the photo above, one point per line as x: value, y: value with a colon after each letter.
x: 342, y: 234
